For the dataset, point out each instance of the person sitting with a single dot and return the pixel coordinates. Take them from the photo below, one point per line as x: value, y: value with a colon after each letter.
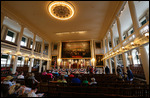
x: 76, y: 80
x: 34, y: 81
x: 61, y: 79
x: 85, y: 82
x: 32, y: 77
x: 66, y: 75
x: 44, y: 72
x: 93, y: 81
x: 23, y: 91
x: 12, y: 90
x: 71, y: 75
x: 56, y: 73
x: 129, y: 74
x: 32, y: 93
x: 15, y: 75
x: 21, y: 76
x: 50, y: 74
x: 8, y: 80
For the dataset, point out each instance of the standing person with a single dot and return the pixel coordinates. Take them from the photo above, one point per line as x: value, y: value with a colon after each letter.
x: 107, y: 70
x: 91, y: 70
x: 87, y: 69
x: 129, y: 74
x: 119, y: 70
x: 66, y: 70
x: 95, y: 70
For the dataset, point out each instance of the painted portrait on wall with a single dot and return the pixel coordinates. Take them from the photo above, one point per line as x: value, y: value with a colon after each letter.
x: 99, y: 62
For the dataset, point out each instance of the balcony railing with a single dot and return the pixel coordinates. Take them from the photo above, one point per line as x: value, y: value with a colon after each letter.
x: 126, y: 43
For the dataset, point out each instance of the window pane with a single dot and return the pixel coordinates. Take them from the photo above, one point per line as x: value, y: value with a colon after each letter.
x: 11, y: 34
x: 22, y: 43
x: 143, y: 22
x: 8, y: 38
x: 23, y: 39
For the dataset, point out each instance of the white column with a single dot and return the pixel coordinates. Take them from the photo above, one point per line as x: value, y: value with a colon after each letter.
x: 92, y: 52
x: 49, y: 55
x: 134, y: 18
x: 3, y: 32
x: 107, y: 43
x: 113, y: 45
x: 110, y: 66
x: 124, y: 57
x: 14, y: 65
x: 119, y: 29
x: 59, y: 55
x: 115, y: 63
x: 31, y: 64
x: 145, y: 62
x: 105, y: 63
x: 40, y: 67
x: 20, y: 38
x: 136, y: 25
x: 32, y: 53
x: 41, y: 56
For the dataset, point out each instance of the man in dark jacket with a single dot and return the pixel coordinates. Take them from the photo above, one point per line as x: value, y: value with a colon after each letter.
x: 129, y: 74
x: 107, y: 70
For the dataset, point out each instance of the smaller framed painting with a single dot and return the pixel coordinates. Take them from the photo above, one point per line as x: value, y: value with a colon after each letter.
x: 55, y: 46
x: 54, y: 60
x: 99, y: 61
x: 98, y: 44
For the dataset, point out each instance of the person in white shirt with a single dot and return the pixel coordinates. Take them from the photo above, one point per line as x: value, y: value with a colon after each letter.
x: 93, y: 81
x: 23, y: 90
x: 32, y: 93
x: 21, y: 76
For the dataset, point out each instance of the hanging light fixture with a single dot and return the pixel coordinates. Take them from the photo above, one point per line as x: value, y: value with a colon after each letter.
x: 61, y: 10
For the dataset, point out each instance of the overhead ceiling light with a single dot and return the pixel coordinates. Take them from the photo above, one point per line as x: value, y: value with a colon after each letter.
x: 61, y: 10
x: 74, y: 32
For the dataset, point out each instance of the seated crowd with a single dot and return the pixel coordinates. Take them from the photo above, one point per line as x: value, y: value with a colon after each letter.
x: 24, y: 90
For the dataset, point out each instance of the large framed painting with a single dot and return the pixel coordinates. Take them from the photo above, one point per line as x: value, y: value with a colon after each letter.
x: 54, y: 60
x: 77, y: 49
x: 99, y: 62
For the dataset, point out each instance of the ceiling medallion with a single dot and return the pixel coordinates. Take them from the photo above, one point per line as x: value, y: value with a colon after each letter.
x: 61, y: 10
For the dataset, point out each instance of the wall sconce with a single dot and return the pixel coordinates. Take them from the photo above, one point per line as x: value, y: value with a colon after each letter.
x: 133, y: 44
x: 59, y: 60
x: 93, y: 59
x: 123, y: 48
x: 146, y: 35
x: 117, y: 51
x: 32, y: 56
x: 18, y: 54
